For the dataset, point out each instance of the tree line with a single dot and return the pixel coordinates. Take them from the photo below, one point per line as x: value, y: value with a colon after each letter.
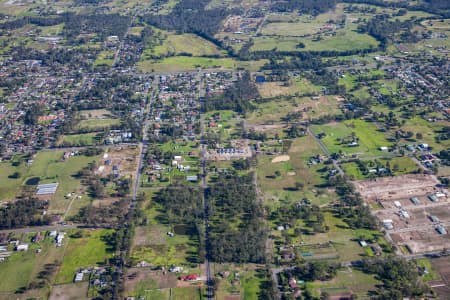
x: 313, y: 7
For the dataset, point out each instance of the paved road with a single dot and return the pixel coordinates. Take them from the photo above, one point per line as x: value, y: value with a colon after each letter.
x: 42, y: 228
x: 203, y: 145
x: 142, y: 150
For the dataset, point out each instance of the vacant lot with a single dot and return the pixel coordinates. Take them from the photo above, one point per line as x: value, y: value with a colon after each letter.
x: 337, y: 138
x: 72, y: 291
x: 21, y: 268
x: 342, y: 238
x: 186, y: 63
x: 186, y: 43
x: 90, y: 250
x: 276, y: 110
x: 427, y: 129
x: 97, y: 124
x: 153, y: 245
x: 290, y: 28
x: 347, y: 280
x: 105, y: 58
x: 76, y: 140
x: 48, y: 167
x: 397, y: 165
x: 399, y: 187
x: 342, y: 41
x: 296, y: 170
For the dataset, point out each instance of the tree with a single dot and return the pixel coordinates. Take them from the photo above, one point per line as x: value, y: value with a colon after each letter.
x: 15, y: 175
x: 324, y: 296
x: 419, y: 136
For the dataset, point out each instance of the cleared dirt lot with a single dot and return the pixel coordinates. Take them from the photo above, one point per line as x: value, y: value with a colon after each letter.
x: 399, y: 187
x: 415, y: 225
x: 418, y: 231
x: 161, y: 279
x: 124, y: 157
x: 441, y: 287
x: 73, y: 291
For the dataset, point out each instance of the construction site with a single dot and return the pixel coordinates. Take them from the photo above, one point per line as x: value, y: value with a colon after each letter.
x: 413, y: 210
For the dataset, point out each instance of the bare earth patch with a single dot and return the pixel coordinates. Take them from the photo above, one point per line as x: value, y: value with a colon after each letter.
x: 73, y: 291
x: 281, y: 158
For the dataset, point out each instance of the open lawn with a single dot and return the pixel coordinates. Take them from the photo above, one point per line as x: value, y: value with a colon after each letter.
x: 85, y: 139
x: 342, y: 238
x: 369, y: 138
x: 97, y: 124
x: 427, y: 129
x: 49, y: 167
x: 250, y: 285
x: 295, y: 86
x: 21, y: 268
x: 431, y: 273
x: 275, y: 110
x: 293, y: 171
x: 186, y: 43
x: 105, y: 58
x: 290, y: 28
x: 347, y: 280
x: 153, y: 245
x: 90, y: 250
x: 343, y: 41
x: 397, y: 165
x: 185, y: 63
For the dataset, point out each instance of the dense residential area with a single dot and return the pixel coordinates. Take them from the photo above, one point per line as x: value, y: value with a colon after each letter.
x: 217, y: 149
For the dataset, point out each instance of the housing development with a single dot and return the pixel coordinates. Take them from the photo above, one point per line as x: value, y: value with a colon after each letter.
x: 224, y: 149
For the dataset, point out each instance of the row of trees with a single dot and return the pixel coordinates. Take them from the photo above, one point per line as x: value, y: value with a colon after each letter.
x: 314, y: 7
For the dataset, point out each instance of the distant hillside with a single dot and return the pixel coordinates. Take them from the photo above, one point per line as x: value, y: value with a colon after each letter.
x: 304, y: 6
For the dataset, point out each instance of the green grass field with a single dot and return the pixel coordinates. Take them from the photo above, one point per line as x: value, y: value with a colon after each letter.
x: 152, y: 244
x: 85, y: 139
x: 186, y: 43
x: 347, y: 280
x: 343, y: 239
x: 343, y: 41
x: 292, y: 171
x: 427, y: 129
x: 23, y: 267
x: 97, y: 124
x: 432, y: 273
x: 105, y: 58
x: 274, y: 111
x: 398, y: 166
x: 185, y: 63
x: 49, y: 167
x: 290, y: 28
x: 370, y: 140
x: 251, y: 286
x: 88, y: 251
